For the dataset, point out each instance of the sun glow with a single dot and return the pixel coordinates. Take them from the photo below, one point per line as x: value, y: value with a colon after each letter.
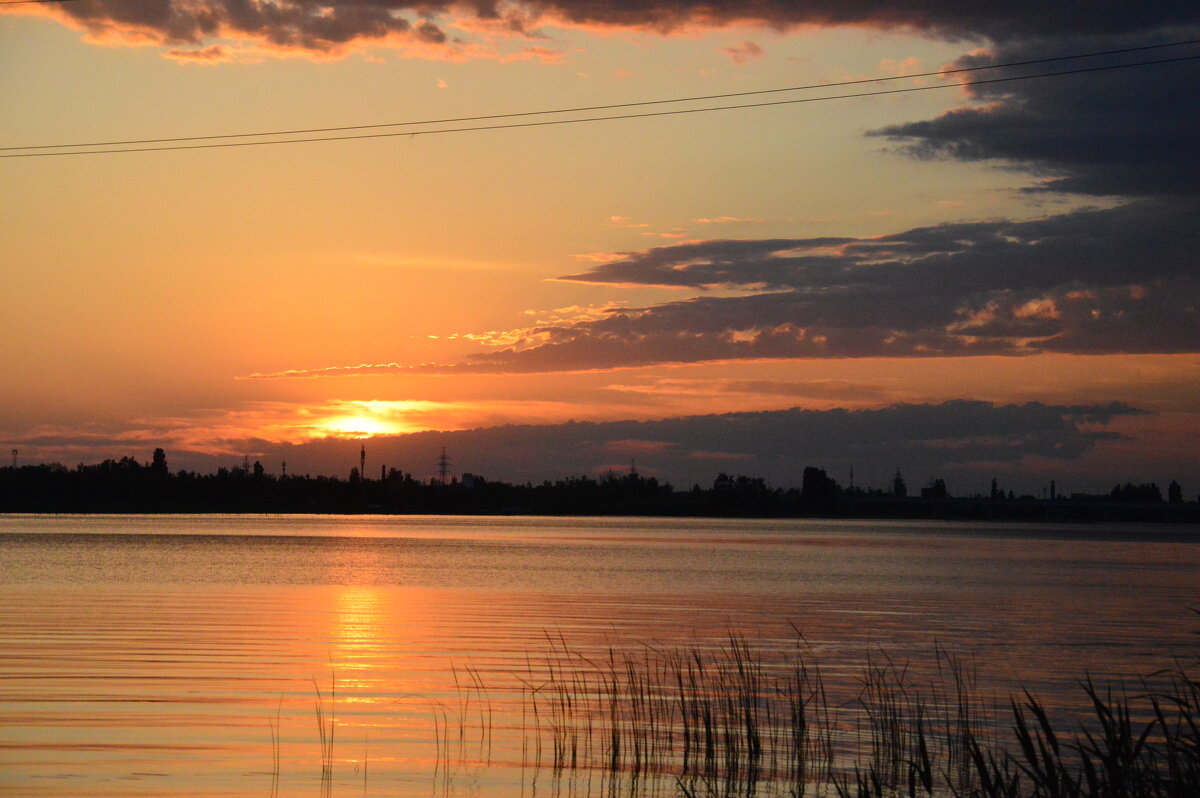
x: 365, y: 419
x: 359, y: 427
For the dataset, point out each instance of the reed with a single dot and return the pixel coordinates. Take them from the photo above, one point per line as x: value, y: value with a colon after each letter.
x: 276, y: 746
x: 736, y: 722
x: 325, y: 731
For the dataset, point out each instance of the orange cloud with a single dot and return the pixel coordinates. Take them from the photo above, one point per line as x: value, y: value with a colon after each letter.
x: 729, y: 220
x: 336, y: 28
x: 744, y: 53
x: 543, y: 55
x: 216, y: 54
x: 637, y: 446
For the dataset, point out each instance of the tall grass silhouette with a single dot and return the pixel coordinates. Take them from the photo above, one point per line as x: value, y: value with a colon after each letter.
x: 740, y: 722
x: 325, y: 730
x: 734, y: 722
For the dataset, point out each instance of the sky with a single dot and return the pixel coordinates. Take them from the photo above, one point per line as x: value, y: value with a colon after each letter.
x: 965, y: 281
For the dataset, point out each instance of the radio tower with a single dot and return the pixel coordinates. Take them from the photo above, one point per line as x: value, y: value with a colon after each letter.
x: 443, y: 465
x: 362, y: 461
x: 14, y: 459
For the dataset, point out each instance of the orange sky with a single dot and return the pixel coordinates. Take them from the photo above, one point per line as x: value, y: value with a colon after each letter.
x: 225, y: 301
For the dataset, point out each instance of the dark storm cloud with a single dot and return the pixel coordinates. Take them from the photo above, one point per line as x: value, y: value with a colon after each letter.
x: 1132, y: 243
x: 945, y: 18
x: 1124, y: 132
x: 929, y: 439
x: 1120, y: 280
x: 328, y: 26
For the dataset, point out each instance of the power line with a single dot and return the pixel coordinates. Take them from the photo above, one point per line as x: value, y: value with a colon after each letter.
x: 609, y: 107
x: 578, y: 120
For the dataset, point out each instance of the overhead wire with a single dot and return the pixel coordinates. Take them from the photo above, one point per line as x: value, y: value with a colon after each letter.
x: 573, y: 120
x: 608, y: 107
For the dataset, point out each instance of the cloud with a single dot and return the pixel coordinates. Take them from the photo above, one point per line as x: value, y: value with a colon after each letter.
x: 544, y: 55
x: 216, y: 54
x: 952, y: 20
x: 744, y: 53
x: 1093, y: 281
x: 924, y: 439
x: 287, y: 26
x: 635, y: 447
x: 1124, y: 132
x: 857, y: 392
x: 520, y: 337
x: 1119, y: 280
x: 333, y: 28
x: 907, y: 66
x: 729, y: 220
x: 962, y: 441
x: 357, y: 370
x: 203, y: 437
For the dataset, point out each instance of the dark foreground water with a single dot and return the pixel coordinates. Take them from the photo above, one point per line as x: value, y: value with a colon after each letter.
x: 162, y: 655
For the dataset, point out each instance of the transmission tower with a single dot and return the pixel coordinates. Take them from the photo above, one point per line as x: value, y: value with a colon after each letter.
x: 443, y: 466
x: 14, y: 459
x: 362, y: 461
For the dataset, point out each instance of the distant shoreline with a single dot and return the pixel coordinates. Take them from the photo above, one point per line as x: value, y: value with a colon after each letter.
x: 127, y: 486
x: 971, y: 510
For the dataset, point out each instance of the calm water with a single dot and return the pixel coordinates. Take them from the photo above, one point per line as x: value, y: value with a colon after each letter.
x: 152, y: 655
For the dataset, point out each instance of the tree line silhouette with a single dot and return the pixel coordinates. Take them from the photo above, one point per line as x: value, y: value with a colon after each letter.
x: 127, y: 486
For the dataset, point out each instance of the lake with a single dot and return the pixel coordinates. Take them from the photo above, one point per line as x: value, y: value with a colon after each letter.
x: 192, y: 655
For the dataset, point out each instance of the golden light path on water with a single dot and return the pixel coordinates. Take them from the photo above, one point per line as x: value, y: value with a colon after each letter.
x: 151, y: 656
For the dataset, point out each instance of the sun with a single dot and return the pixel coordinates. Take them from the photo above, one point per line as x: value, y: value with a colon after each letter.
x: 358, y: 426
x: 361, y: 418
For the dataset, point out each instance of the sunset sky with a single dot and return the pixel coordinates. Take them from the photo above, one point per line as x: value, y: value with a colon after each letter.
x: 960, y: 282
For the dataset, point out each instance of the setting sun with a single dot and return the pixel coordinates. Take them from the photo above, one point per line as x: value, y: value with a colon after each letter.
x: 358, y: 427
x: 633, y: 399
x: 364, y: 419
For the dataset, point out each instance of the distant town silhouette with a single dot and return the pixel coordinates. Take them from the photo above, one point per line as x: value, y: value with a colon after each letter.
x: 127, y: 486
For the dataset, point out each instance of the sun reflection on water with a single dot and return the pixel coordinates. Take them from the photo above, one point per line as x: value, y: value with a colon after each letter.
x: 356, y: 630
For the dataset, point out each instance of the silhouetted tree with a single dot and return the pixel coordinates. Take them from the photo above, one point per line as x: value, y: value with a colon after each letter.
x: 1174, y: 493
x: 124, y: 485
x: 1145, y: 492
x: 158, y: 464
x: 818, y: 489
